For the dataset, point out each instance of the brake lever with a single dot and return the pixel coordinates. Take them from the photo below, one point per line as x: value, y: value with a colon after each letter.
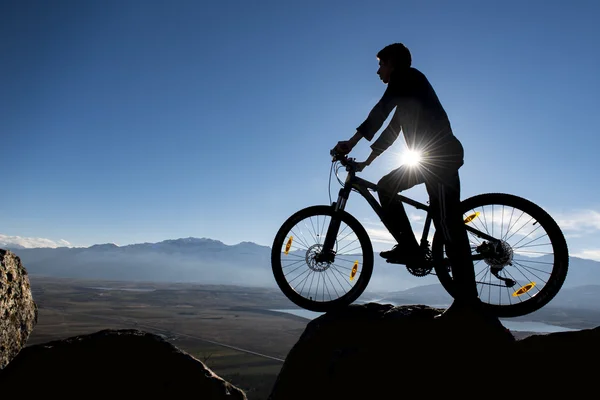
x: 336, y: 156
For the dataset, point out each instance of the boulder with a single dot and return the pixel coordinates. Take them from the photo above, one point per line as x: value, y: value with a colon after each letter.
x: 115, y: 364
x: 379, y: 351
x: 18, y: 311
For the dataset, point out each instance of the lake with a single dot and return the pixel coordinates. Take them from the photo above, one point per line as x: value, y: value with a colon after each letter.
x: 517, y: 326
x: 123, y: 289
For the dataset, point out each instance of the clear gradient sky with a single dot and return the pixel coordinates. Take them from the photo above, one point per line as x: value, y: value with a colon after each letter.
x: 138, y: 121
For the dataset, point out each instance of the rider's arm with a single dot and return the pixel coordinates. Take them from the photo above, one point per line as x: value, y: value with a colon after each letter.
x: 389, y: 134
x: 378, y: 114
x: 397, y: 91
x: 355, y: 139
x: 387, y: 137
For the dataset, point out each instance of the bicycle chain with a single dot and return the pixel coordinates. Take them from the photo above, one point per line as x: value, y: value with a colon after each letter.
x: 419, y: 271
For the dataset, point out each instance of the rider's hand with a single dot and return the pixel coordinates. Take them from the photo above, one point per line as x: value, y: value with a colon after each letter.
x: 344, y: 147
x: 361, y: 165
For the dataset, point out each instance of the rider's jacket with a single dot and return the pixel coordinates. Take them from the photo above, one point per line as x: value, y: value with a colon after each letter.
x: 420, y: 116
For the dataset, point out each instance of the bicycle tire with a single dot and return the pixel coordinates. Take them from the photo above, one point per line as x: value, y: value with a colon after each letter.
x: 366, y: 267
x: 554, y: 233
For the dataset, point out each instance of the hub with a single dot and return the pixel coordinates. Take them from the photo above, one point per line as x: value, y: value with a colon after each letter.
x: 496, y: 254
x: 317, y: 260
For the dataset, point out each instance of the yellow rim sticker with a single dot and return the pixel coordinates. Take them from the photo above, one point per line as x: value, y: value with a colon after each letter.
x: 288, y: 245
x: 472, y: 217
x: 354, y: 270
x: 524, y: 289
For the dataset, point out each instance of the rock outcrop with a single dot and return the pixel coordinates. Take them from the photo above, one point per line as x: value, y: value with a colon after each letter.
x: 112, y: 363
x: 377, y: 351
x: 18, y: 311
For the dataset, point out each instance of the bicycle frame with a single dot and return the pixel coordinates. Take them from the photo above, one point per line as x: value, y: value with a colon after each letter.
x: 363, y: 186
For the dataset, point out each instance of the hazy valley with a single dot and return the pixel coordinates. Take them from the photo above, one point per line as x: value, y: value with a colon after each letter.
x: 216, y: 301
x: 207, y: 261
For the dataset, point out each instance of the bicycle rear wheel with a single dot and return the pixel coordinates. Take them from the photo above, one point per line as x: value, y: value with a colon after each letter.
x: 528, y: 267
x: 313, y: 284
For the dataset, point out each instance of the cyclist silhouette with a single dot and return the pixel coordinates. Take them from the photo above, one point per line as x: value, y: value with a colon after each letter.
x: 427, y: 131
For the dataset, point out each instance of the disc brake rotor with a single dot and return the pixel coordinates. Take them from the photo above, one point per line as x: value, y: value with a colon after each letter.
x: 311, y: 259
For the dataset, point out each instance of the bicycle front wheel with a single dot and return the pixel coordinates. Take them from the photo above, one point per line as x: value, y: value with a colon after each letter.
x: 527, y: 267
x: 306, y: 280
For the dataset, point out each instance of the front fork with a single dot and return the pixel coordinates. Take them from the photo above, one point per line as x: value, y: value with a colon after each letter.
x: 327, y: 253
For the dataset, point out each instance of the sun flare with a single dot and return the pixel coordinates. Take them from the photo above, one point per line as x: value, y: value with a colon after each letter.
x: 411, y: 158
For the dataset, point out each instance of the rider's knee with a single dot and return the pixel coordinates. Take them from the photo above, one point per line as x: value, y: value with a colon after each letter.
x: 385, y: 186
x: 385, y: 194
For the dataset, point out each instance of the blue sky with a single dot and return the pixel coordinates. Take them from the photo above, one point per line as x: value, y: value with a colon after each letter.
x: 139, y: 121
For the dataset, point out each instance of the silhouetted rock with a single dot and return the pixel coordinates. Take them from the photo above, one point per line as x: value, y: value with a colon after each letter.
x: 376, y: 351
x: 18, y: 311
x: 113, y: 363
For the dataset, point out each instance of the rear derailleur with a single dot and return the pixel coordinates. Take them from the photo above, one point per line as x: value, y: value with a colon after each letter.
x: 497, y: 255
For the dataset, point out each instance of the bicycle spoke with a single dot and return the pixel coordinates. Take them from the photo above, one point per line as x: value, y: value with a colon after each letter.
x: 511, y: 226
x: 348, y: 260
x: 333, y: 286
x: 297, y: 238
x: 535, y: 269
x: 539, y: 279
x: 485, y: 221
x: 509, y: 221
x: 524, y: 237
x: 322, y: 232
x: 303, y: 281
x: 300, y: 266
x: 333, y: 266
x: 314, y: 238
x: 518, y: 230
x: 338, y: 281
x: 508, y: 295
x: 313, y: 273
x: 502, y: 223
x: 484, y: 276
x: 528, y: 244
x: 534, y: 252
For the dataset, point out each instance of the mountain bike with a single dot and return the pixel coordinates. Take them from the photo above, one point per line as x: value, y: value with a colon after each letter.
x: 322, y: 257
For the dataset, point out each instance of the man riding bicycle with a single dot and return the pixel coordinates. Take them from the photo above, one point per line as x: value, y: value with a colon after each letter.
x: 426, y: 129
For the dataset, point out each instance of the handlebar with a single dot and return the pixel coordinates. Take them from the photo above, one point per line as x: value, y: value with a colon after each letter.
x: 348, y: 162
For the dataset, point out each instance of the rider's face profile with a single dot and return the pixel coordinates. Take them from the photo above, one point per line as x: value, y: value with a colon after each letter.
x: 385, y: 71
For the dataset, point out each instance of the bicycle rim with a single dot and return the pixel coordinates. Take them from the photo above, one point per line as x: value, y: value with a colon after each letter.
x: 314, y: 285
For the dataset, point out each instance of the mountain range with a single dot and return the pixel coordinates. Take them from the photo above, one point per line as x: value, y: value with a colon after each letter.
x: 199, y: 260
x: 209, y: 261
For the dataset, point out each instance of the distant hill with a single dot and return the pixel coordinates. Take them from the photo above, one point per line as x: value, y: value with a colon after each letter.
x: 199, y: 260
x: 181, y: 260
x: 585, y: 297
x: 210, y: 261
x: 569, y: 299
x: 11, y: 246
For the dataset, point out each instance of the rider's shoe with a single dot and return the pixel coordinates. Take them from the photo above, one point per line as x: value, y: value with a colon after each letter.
x: 402, y: 255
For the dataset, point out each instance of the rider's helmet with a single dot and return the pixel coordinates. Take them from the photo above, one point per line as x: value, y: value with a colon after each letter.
x: 396, y: 53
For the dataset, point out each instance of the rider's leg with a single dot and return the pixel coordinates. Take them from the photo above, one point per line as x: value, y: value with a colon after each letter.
x: 394, y: 214
x: 448, y: 218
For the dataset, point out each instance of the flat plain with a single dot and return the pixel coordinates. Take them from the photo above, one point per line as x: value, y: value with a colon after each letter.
x: 231, y: 329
